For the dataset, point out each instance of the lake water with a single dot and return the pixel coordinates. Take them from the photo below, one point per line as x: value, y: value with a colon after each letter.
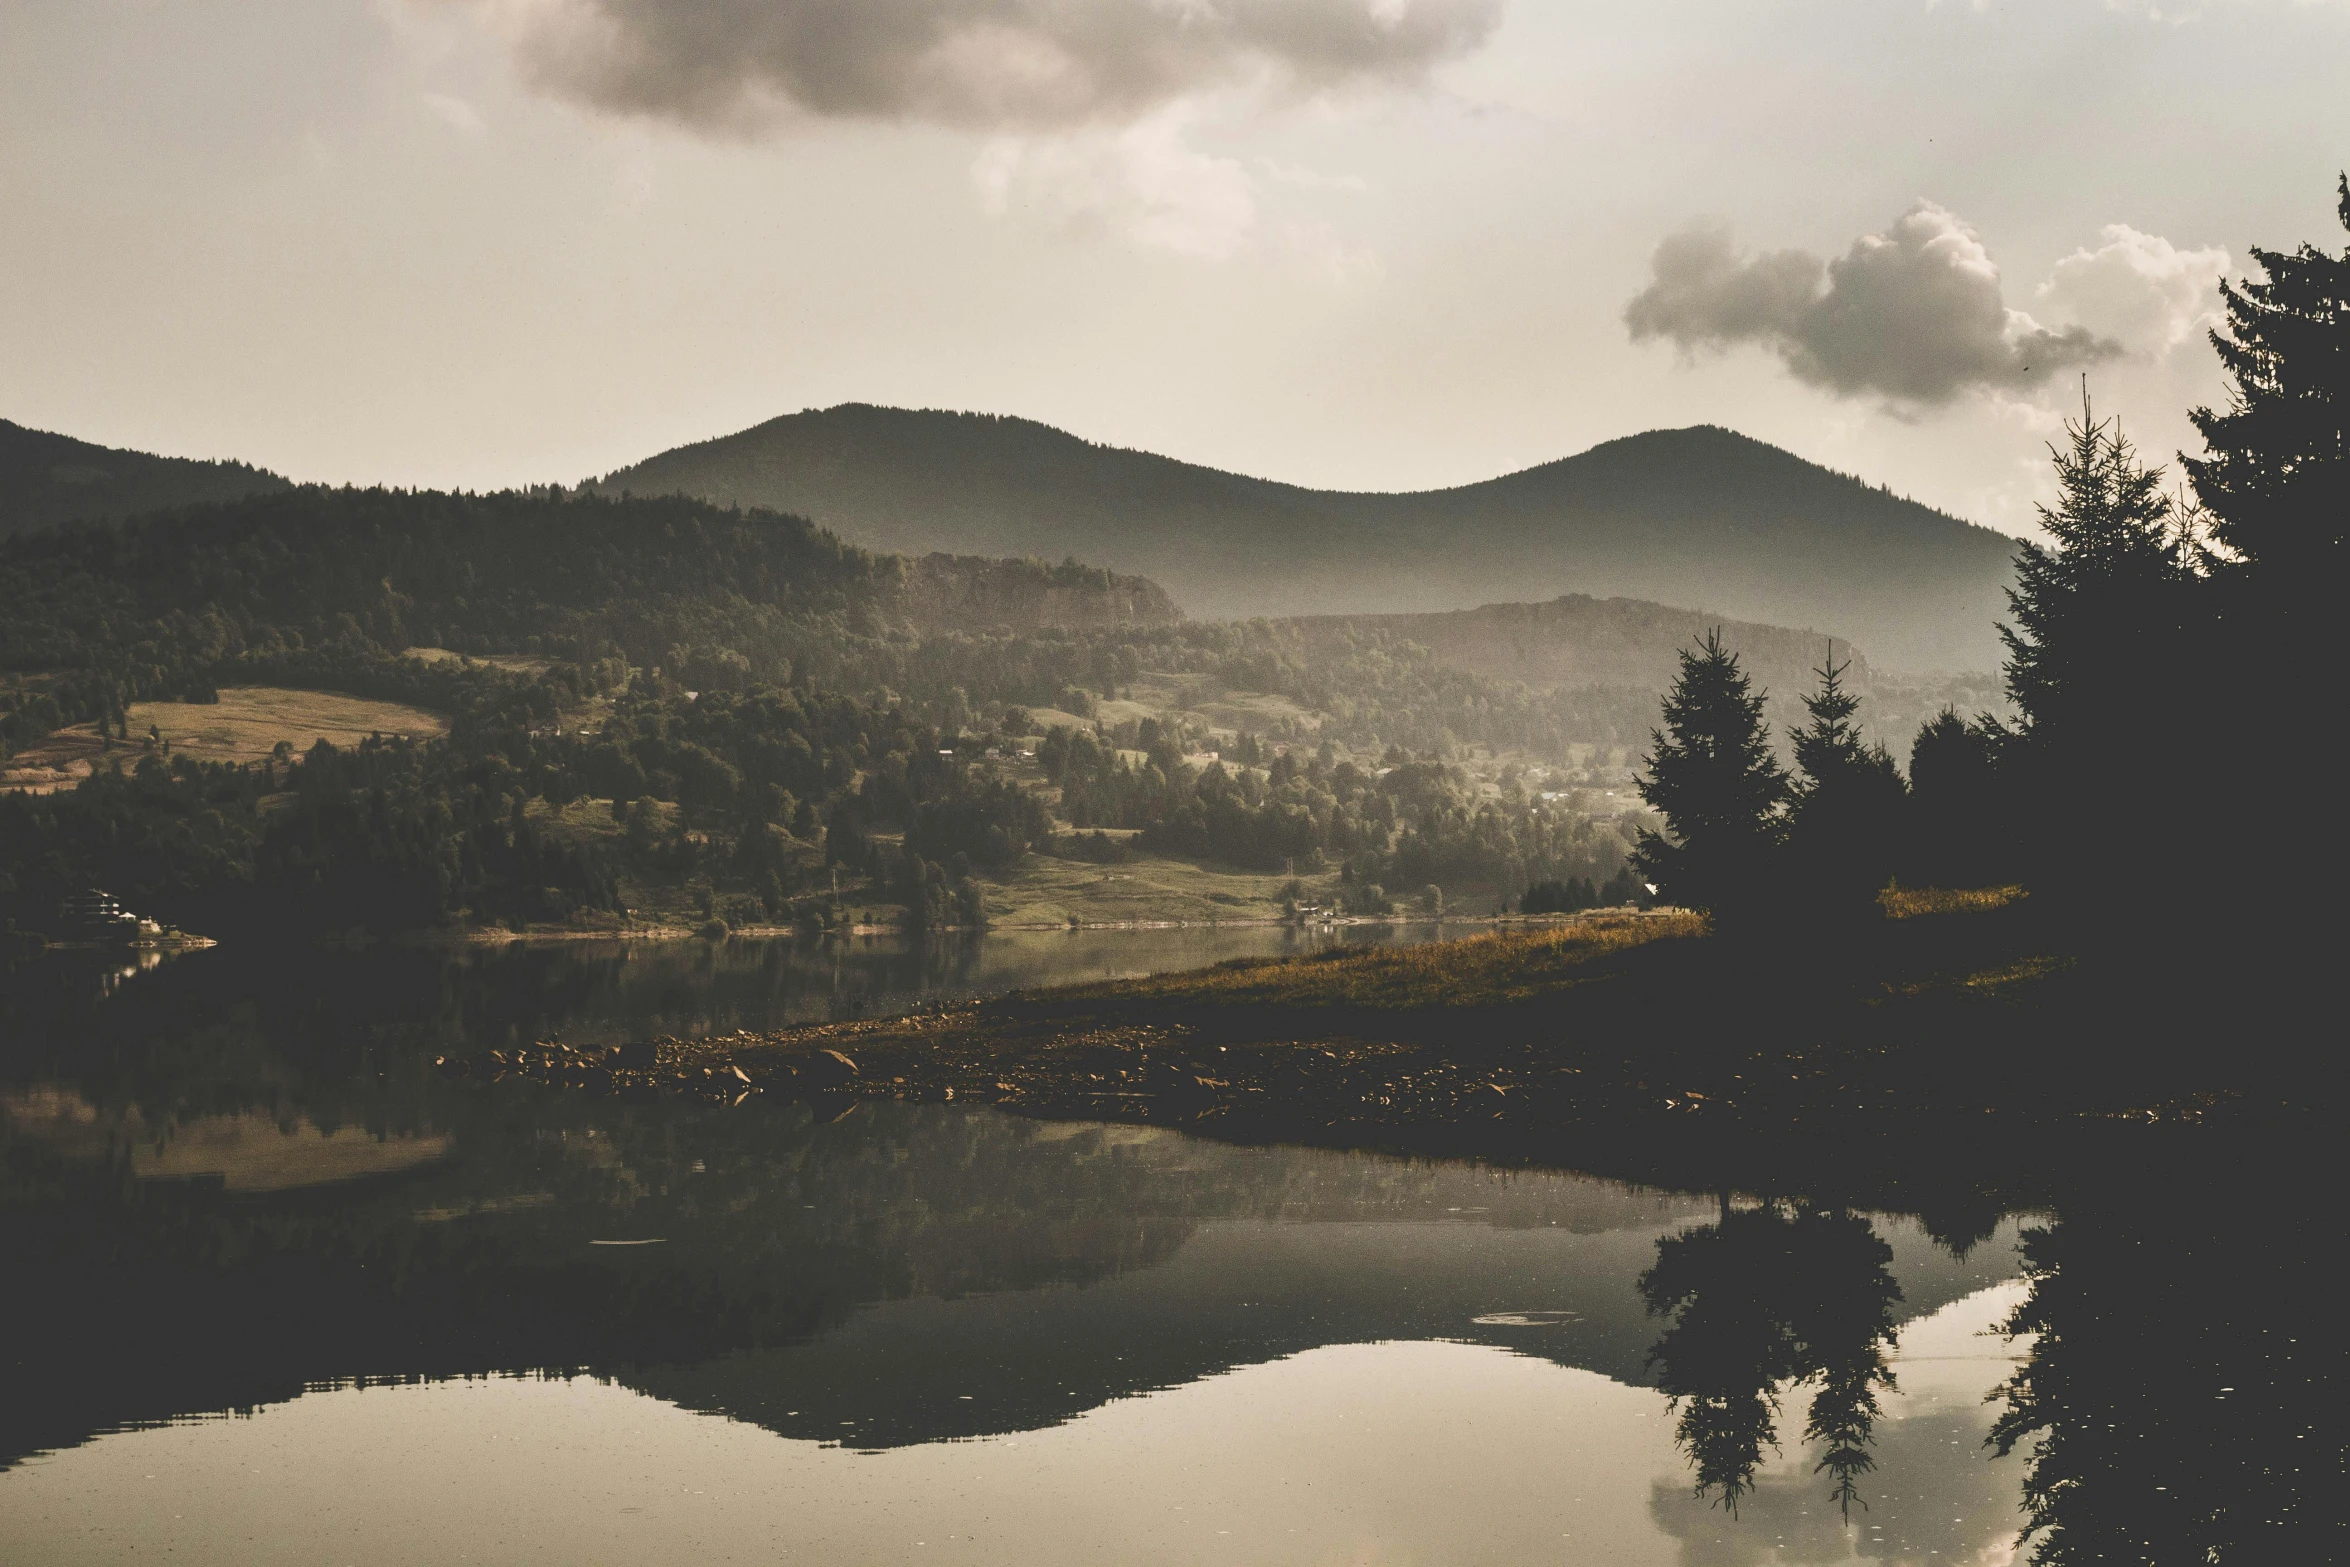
x: 275, y: 1292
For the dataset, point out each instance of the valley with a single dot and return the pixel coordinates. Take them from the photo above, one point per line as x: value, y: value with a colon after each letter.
x: 717, y: 719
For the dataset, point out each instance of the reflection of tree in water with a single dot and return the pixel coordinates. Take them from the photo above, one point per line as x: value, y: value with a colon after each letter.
x: 1941, y: 1502
x: 2178, y: 1401
x: 2181, y: 1399
x: 1763, y: 1298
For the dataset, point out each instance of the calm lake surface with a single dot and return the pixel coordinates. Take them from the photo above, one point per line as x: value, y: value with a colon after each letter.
x: 276, y: 1291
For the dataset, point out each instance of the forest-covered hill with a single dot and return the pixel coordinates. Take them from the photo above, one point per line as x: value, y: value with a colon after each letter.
x: 47, y: 478
x: 515, y: 572
x: 1577, y: 642
x: 314, y: 587
x: 1703, y: 518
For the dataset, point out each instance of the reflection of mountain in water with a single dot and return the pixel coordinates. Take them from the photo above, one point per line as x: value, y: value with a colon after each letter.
x: 243, y: 1153
x: 903, y: 1275
x: 229, y: 1179
x: 1235, y: 1294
